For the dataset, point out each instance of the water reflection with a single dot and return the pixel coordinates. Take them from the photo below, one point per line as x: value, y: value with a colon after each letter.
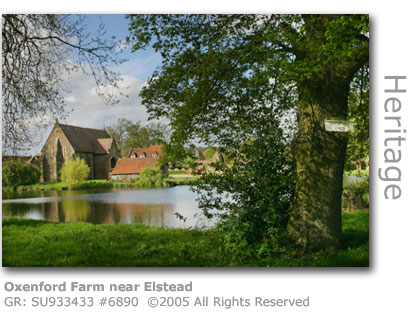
x: 155, y: 207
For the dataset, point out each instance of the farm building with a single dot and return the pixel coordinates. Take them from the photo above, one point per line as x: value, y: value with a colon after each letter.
x: 66, y: 142
x: 138, y: 159
x: 150, y: 152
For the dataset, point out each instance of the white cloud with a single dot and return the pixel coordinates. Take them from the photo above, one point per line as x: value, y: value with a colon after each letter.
x: 87, y: 109
x: 70, y: 99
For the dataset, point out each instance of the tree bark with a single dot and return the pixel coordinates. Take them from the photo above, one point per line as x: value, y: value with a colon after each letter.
x: 315, y: 215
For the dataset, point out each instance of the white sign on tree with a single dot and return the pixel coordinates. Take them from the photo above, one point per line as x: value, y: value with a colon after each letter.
x: 339, y: 126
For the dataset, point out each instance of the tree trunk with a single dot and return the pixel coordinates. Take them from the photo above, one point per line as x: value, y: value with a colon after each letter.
x: 315, y: 215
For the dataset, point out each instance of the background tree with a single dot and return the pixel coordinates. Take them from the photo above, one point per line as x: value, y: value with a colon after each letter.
x: 358, y: 143
x: 118, y: 131
x: 130, y: 134
x: 221, y: 74
x: 139, y: 136
x: 39, y: 52
x: 18, y: 172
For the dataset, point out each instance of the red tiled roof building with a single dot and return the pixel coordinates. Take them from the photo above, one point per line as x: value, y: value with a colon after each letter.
x: 138, y: 159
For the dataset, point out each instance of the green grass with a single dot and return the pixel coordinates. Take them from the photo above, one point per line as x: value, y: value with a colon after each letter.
x: 30, y: 243
x: 175, y: 172
x: 44, y: 244
x: 355, y: 229
x: 183, y: 181
x: 88, y: 184
x: 96, y: 184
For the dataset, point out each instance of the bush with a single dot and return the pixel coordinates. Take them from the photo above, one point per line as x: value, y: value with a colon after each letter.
x: 356, y: 196
x: 150, y: 178
x: 17, y: 172
x: 74, y: 171
x: 209, y: 153
x: 251, y: 194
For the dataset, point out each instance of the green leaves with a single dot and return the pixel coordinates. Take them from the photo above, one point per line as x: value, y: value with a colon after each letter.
x: 218, y: 71
x: 358, y: 141
x: 128, y: 134
x: 150, y: 178
x: 235, y: 82
x: 75, y: 171
x: 17, y: 172
x: 40, y: 52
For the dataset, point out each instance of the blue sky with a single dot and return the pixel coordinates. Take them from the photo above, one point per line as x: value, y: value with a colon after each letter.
x: 85, y: 108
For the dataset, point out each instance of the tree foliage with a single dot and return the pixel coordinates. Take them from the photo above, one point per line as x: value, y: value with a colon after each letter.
x: 17, y: 172
x: 150, y: 178
x: 214, y: 83
x: 118, y: 131
x: 39, y: 53
x: 225, y: 78
x: 130, y: 134
x: 356, y: 196
x: 75, y: 171
x: 209, y: 153
x: 253, y: 212
x: 358, y: 143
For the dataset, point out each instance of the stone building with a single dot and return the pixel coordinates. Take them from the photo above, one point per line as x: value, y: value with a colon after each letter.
x: 66, y: 142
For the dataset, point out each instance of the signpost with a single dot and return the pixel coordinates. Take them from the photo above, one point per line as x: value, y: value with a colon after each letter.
x: 339, y: 126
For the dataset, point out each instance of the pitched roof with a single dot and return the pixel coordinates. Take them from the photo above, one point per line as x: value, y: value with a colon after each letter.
x: 148, y: 151
x: 86, y: 139
x: 105, y: 143
x: 133, y: 165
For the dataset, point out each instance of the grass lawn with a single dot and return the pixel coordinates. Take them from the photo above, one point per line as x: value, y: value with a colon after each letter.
x: 175, y: 172
x: 30, y: 243
x: 97, y: 184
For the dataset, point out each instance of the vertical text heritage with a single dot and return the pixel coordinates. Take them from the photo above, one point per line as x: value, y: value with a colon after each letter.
x: 393, y: 133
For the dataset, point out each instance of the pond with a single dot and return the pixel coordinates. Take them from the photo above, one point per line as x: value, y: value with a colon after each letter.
x: 154, y: 207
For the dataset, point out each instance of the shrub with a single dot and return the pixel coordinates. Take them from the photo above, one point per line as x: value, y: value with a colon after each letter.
x: 356, y: 196
x: 74, y: 171
x: 251, y: 194
x: 150, y: 178
x: 209, y: 153
x: 18, y: 172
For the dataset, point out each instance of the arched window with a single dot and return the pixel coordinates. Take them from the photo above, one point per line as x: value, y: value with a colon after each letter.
x: 59, y: 159
x: 113, y: 162
x: 143, y: 155
x: 46, y: 169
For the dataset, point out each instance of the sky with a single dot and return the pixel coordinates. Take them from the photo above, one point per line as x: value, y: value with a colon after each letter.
x: 85, y: 108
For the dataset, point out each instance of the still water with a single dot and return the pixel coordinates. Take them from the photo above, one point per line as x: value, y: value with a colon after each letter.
x: 155, y: 207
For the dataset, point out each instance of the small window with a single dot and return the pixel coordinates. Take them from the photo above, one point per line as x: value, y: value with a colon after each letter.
x: 143, y: 155
x: 133, y: 156
x: 154, y: 155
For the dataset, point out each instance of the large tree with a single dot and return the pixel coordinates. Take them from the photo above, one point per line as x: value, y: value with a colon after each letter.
x: 39, y: 53
x: 222, y: 73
